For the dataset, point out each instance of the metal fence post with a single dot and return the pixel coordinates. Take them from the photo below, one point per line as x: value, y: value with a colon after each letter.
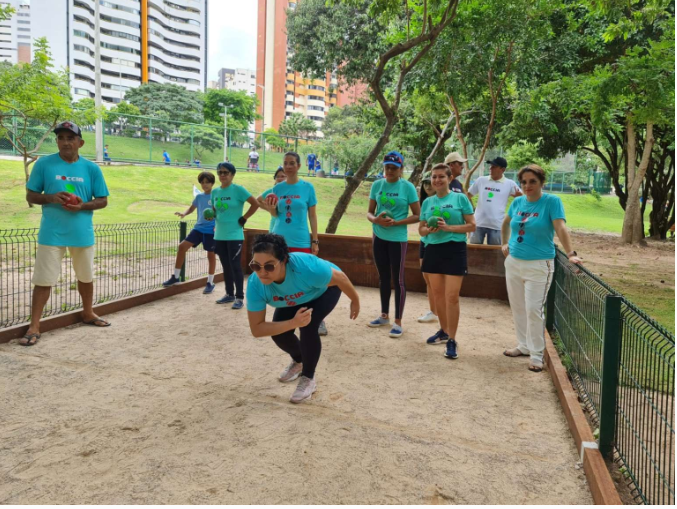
x: 150, y: 139
x: 610, y: 365
x: 550, y: 302
x: 183, y: 232
x: 192, y: 154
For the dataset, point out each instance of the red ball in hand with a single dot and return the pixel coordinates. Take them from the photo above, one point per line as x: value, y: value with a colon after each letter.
x: 72, y: 199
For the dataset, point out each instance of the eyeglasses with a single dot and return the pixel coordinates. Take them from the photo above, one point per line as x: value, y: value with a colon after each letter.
x: 224, y: 172
x: 532, y: 181
x: 268, y: 267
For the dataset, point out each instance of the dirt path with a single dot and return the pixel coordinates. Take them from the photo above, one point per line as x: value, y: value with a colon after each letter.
x: 178, y: 404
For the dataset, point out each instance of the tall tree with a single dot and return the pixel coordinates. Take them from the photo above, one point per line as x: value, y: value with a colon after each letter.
x: 33, y: 99
x: 180, y: 104
x: 377, y: 42
x: 241, y: 108
x: 298, y: 126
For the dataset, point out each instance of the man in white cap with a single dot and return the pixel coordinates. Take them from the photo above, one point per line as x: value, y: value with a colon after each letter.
x: 493, y: 193
x: 455, y: 162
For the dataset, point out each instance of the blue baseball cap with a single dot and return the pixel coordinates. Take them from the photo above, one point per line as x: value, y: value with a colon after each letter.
x: 394, y: 158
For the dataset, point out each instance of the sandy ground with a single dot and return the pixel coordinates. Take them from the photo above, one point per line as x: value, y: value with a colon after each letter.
x: 178, y: 404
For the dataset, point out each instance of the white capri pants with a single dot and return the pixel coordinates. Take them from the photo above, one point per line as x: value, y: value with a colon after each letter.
x: 528, y: 282
x: 48, y: 264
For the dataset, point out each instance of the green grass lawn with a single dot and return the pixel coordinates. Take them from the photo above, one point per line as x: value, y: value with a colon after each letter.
x: 155, y: 193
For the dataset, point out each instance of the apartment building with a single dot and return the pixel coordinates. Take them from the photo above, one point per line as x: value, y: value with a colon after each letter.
x: 142, y: 41
x: 238, y: 80
x: 15, y: 33
x: 281, y: 90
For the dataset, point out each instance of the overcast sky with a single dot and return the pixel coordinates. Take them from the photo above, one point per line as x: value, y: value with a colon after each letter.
x: 231, y: 35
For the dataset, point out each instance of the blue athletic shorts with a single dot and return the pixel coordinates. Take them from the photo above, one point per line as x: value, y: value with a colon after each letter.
x: 206, y: 239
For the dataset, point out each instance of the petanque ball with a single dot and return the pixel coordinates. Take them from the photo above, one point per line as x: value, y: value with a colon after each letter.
x: 208, y: 214
x: 388, y: 214
x: 432, y: 222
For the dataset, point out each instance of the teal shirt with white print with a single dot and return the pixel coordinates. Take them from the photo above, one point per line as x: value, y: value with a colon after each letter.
x: 451, y: 208
x: 395, y: 198
x: 532, y: 234
x: 228, y: 203
x: 58, y: 226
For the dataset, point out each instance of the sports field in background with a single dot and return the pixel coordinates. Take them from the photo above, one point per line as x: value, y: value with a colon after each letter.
x: 154, y: 193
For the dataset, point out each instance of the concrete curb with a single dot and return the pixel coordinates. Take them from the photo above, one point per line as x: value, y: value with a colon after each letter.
x: 601, y: 485
x: 66, y: 319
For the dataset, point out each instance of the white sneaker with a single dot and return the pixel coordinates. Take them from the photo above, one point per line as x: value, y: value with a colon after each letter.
x: 429, y: 317
x: 304, y: 390
x: 291, y: 372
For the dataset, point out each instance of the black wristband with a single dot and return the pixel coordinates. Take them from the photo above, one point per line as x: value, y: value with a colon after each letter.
x: 241, y: 221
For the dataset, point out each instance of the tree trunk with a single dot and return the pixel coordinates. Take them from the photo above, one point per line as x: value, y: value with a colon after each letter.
x: 356, y: 180
x: 418, y: 171
x: 633, y: 231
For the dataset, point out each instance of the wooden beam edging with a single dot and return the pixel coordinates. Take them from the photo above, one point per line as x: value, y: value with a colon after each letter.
x: 66, y: 319
x: 601, y: 485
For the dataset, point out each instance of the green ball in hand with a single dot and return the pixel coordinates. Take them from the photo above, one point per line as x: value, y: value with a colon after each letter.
x: 208, y: 214
x: 432, y: 222
x: 388, y: 214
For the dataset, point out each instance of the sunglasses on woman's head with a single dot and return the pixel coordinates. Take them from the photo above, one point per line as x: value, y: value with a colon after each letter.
x: 268, y: 267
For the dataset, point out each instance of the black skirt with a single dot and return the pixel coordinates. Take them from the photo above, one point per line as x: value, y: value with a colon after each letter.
x: 449, y: 258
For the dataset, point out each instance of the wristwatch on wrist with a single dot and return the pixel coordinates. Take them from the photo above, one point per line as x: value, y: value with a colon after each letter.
x: 316, y: 242
x: 572, y: 253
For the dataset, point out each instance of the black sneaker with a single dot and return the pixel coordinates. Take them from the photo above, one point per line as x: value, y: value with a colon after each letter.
x: 439, y: 338
x: 226, y: 299
x: 451, y: 352
x: 170, y: 282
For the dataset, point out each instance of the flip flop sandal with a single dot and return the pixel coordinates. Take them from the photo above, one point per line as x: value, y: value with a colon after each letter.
x: 31, y: 339
x: 514, y: 352
x: 98, y: 321
x: 536, y: 367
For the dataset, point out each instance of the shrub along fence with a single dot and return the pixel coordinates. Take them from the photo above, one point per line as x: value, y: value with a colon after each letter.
x: 623, y: 365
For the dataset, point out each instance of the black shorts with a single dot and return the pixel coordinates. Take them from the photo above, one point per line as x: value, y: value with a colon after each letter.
x: 421, y: 250
x: 206, y: 239
x: 449, y: 258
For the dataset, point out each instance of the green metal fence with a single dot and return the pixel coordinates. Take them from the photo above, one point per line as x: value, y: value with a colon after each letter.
x: 129, y: 259
x: 623, y: 365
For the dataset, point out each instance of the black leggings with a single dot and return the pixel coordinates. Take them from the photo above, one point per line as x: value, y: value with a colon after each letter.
x: 230, y: 254
x: 308, y: 349
x: 389, y: 258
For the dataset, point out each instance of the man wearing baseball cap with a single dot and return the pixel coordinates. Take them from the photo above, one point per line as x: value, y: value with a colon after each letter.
x: 455, y: 162
x: 493, y: 193
x: 69, y: 188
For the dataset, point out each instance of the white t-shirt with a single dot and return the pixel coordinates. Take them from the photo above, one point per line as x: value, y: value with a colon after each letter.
x: 253, y: 155
x: 492, y: 200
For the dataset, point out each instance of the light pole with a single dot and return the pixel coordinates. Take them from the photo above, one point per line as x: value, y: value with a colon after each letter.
x: 225, y: 130
x: 97, y: 84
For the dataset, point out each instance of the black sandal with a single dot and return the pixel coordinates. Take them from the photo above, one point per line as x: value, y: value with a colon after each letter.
x: 31, y: 339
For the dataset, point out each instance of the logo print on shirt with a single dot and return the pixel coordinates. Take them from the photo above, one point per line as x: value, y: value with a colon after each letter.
x: 387, y: 202
x: 438, y: 213
x: 289, y: 299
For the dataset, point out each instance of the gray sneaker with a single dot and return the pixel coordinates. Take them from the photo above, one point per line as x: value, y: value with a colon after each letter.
x: 291, y: 372
x: 322, y: 329
x: 304, y: 390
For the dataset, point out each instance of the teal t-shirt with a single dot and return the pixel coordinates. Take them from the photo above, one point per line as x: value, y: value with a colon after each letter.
x: 58, y: 226
x: 396, y: 198
x: 306, y: 279
x: 273, y: 219
x: 531, y: 231
x: 228, y: 203
x: 451, y: 208
x: 292, y: 212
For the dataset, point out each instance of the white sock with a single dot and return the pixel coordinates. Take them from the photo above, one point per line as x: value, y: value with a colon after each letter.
x: 177, y: 273
x: 210, y: 279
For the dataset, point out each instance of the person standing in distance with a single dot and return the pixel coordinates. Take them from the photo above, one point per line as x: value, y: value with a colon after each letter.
x: 294, y: 203
x: 390, y: 200
x: 493, y: 193
x: 303, y: 289
x: 56, y: 182
x: 446, y: 218
x: 426, y: 192
x: 455, y: 161
x: 528, y: 245
x: 310, y: 162
x: 166, y: 158
x: 228, y: 203
x: 253, y: 161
